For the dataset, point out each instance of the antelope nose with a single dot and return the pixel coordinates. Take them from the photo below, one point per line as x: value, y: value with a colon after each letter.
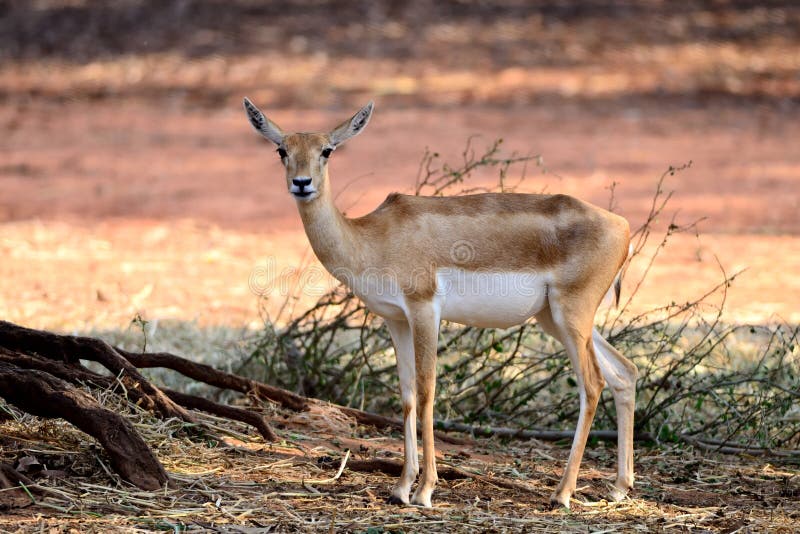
x: 301, y: 182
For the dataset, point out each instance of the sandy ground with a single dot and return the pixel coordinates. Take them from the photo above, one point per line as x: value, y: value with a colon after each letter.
x: 111, y: 210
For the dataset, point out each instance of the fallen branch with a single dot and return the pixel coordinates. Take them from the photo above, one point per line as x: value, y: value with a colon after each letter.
x: 723, y: 447
x: 445, y: 472
x: 543, y: 435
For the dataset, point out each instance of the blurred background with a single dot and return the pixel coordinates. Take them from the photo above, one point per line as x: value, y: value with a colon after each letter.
x: 130, y: 181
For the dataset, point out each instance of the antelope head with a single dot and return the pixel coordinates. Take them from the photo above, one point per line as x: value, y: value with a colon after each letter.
x: 305, y: 155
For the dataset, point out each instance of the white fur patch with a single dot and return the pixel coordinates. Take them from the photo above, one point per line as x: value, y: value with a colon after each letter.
x: 490, y: 300
x: 482, y: 299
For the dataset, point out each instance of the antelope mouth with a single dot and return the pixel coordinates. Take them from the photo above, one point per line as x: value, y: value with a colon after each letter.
x: 306, y: 194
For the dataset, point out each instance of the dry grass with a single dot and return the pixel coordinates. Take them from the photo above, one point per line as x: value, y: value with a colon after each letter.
x: 243, y: 483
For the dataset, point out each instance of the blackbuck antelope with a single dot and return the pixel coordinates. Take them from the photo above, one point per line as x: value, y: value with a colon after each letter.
x: 488, y: 260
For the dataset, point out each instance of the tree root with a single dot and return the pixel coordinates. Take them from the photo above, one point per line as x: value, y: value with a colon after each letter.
x: 230, y: 412
x: 17, y: 489
x: 78, y: 374
x: 208, y: 375
x: 38, y: 374
x: 57, y: 358
x: 287, y: 399
x: 72, y: 349
x: 43, y: 394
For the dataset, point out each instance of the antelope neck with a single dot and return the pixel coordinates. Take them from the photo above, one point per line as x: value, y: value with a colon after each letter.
x: 329, y: 232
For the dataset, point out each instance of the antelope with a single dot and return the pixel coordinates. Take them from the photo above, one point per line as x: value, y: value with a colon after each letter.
x: 486, y: 260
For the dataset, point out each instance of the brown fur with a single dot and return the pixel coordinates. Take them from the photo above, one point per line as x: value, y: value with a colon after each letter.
x: 548, y: 231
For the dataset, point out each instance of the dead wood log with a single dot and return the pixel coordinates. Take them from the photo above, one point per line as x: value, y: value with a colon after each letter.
x: 44, y: 395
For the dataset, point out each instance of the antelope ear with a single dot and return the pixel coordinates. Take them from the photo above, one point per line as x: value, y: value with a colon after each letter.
x: 352, y: 126
x: 261, y: 124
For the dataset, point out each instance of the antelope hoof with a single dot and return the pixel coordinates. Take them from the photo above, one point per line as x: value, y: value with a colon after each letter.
x: 422, y: 500
x: 394, y: 499
x: 399, y: 496
x: 616, y: 493
x: 560, y: 499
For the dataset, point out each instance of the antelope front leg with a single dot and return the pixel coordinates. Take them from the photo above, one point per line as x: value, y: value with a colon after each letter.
x: 404, y: 352
x: 425, y: 329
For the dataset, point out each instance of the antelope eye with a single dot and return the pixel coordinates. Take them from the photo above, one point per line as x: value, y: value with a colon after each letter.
x: 282, y: 153
x: 326, y: 152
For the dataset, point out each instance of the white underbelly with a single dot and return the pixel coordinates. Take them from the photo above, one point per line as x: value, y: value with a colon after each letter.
x: 490, y: 300
x: 482, y: 299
